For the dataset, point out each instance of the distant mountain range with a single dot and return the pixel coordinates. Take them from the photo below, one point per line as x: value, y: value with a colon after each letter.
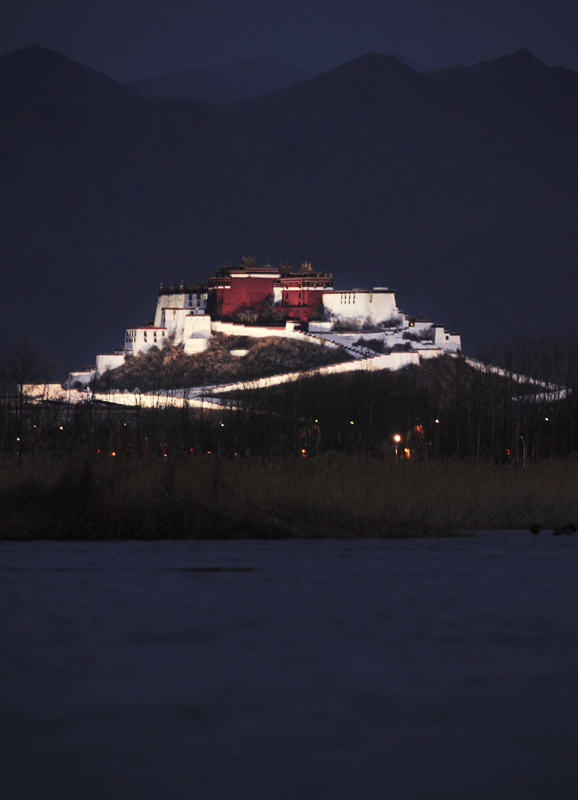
x: 458, y: 189
x: 240, y: 80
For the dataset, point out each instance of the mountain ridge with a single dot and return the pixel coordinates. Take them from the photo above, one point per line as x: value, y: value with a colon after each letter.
x: 433, y: 184
x: 38, y: 75
x: 239, y: 80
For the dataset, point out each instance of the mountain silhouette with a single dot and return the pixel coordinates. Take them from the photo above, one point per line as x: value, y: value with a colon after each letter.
x: 456, y: 188
x: 239, y: 80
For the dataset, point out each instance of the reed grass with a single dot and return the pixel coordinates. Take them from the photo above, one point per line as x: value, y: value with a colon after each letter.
x: 334, y: 495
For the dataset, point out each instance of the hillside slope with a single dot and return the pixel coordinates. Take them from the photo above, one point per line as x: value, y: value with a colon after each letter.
x: 228, y: 83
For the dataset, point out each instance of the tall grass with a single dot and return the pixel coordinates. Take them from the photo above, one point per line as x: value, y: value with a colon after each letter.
x: 333, y: 495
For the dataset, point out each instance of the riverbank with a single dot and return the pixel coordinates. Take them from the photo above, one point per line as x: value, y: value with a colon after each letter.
x: 334, y: 495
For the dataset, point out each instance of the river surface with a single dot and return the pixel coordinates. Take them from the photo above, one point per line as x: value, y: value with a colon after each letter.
x: 441, y: 669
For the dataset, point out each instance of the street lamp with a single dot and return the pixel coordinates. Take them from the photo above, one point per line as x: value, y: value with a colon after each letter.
x: 397, y: 440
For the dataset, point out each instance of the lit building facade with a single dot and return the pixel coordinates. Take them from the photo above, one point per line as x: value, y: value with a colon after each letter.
x: 249, y: 285
x: 300, y: 292
x: 234, y: 287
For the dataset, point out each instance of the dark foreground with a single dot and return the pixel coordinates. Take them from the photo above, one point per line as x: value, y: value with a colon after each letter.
x: 335, y: 495
x: 410, y: 669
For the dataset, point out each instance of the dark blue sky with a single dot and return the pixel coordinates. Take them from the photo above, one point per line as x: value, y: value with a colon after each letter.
x: 131, y: 39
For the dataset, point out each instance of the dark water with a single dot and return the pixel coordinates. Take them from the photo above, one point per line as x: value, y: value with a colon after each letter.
x: 422, y: 670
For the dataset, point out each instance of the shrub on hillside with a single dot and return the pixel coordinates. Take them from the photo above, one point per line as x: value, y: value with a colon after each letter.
x: 172, y: 368
x: 378, y: 345
x: 426, y: 335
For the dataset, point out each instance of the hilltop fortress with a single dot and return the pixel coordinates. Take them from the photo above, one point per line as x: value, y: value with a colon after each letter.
x: 249, y: 299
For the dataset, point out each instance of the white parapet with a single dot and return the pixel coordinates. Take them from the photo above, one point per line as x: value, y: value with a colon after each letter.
x: 389, y: 361
x: 106, y: 361
x: 80, y: 377
x: 139, y: 340
x: 40, y: 392
x: 195, y: 325
x: 257, y: 331
x: 361, y: 305
x: 196, y: 344
x: 196, y: 332
x: 446, y: 340
x: 191, y: 298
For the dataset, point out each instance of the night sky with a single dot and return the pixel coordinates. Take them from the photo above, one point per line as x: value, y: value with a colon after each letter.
x: 134, y: 39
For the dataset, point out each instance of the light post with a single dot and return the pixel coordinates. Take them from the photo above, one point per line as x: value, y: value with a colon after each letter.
x: 397, y: 440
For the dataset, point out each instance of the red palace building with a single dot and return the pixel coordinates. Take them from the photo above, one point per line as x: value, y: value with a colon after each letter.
x: 249, y: 285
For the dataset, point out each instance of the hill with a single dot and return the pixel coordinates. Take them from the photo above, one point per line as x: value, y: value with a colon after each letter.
x: 457, y: 189
x: 170, y: 368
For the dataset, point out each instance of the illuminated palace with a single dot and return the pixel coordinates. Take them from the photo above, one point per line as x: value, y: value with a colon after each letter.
x: 299, y: 293
x: 254, y: 300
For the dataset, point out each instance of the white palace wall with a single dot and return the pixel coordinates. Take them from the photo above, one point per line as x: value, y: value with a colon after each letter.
x: 449, y: 341
x: 182, y: 298
x: 139, y: 340
x: 106, y: 361
x: 362, y: 305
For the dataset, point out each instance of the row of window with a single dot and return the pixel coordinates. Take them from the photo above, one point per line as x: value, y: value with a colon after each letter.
x: 349, y: 297
x: 317, y: 285
x: 180, y: 301
x: 131, y: 335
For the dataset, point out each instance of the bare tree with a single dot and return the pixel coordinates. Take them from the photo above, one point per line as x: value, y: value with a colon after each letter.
x: 25, y: 365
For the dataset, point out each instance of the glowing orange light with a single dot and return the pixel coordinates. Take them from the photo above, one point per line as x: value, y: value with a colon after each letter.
x: 397, y: 438
x: 113, y: 454
x: 406, y: 452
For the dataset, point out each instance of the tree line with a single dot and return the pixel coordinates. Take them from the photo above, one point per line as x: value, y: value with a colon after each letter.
x: 515, y: 403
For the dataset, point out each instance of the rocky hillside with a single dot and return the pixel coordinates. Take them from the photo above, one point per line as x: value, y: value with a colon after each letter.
x: 171, y: 368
